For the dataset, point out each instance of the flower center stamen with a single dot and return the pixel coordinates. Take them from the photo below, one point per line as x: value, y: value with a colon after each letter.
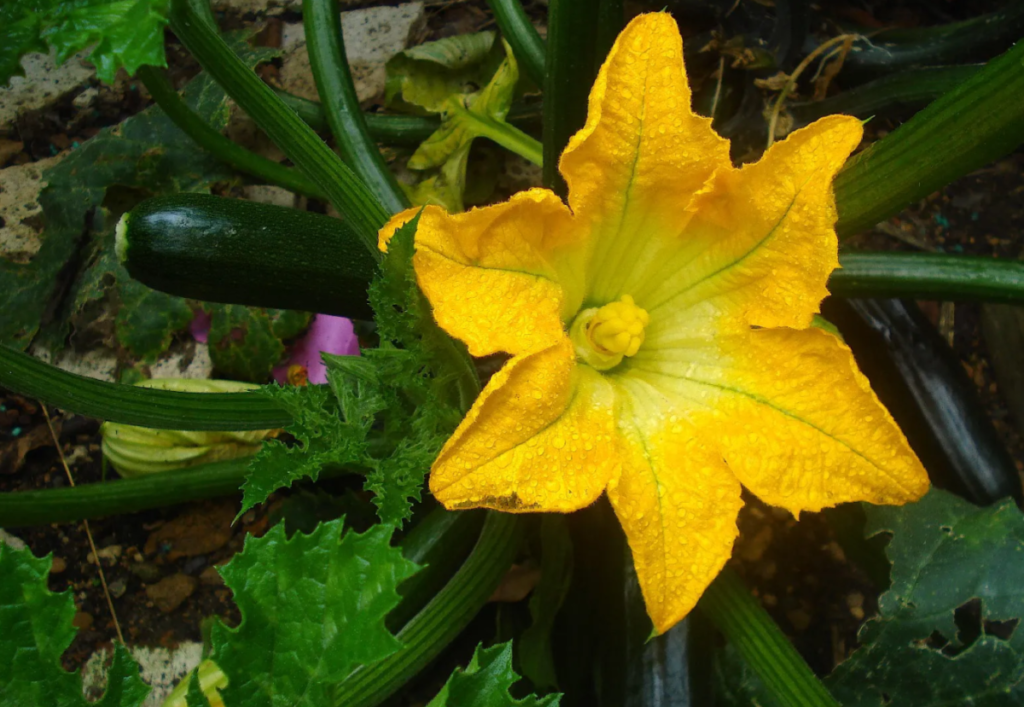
x: 604, y: 335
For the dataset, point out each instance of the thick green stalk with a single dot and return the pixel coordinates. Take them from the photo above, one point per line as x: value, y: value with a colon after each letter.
x: 611, y: 18
x: 326, y: 48
x: 107, y: 498
x: 190, y: 22
x: 765, y: 648
x: 160, y: 87
x: 517, y: 29
x: 427, y: 634
x: 509, y: 137
x: 907, y: 90
x: 163, y: 409
x: 972, y: 125
x: 572, y: 28
x: 951, y: 278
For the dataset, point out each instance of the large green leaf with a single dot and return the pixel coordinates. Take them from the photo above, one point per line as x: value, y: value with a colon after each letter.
x: 486, y: 682
x: 37, y: 630
x: 246, y: 342
x: 123, y: 33
x: 920, y: 651
x: 313, y: 609
x: 147, y: 154
x: 428, y: 74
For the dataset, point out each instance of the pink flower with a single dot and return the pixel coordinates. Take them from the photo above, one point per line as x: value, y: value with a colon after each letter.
x: 327, y: 334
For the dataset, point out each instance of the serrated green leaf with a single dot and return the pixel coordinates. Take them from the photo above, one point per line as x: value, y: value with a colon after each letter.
x: 123, y: 33
x: 312, y: 608
x: 385, y: 413
x: 428, y: 74
x: 945, y: 552
x: 322, y: 437
x: 486, y: 682
x: 36, y: 632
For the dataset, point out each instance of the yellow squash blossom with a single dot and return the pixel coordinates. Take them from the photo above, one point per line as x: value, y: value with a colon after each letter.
x: 659, y: 327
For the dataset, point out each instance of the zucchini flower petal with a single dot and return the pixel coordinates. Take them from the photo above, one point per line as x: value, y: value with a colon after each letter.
x: 659, y: 328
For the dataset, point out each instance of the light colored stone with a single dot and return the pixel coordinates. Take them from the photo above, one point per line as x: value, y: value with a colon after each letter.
x: 11, y: 541
x: 160, y: 668
x: 187, y: 360
x: 19, y: 208
x: 372, y: 36
x: 265, y: 194
x: 98, y: 363
x: 43, y: 84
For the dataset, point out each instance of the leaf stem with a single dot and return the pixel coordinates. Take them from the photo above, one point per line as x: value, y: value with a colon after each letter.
x: 326, y: 47
x: 116, y: 402
x: 526, y: 43
x: 427, y: 634
x: 190, y: 22
x: 950, y: 278
x: 766, y: 649
x: 508, y: 136
x: 572, y: 29
x: 189, y: 122
x: 977, y: 122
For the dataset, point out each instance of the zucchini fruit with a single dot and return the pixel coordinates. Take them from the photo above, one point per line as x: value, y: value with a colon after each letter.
x: 923, y: 384
x: 241, y: 252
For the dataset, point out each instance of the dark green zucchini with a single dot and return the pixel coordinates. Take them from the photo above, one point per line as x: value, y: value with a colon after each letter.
x: 242, y: 252
x: 923, y: 384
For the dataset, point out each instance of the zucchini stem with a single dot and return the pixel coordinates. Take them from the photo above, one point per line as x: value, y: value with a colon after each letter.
x: 520, y: 33
x: 765, y: 648
x: 190, y: 20
x: 508, y: 136
x: 440, y: 621
x: 326, y: 48
x: 159, y: 86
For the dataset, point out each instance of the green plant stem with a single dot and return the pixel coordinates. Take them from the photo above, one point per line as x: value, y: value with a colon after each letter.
x: 508, y: 136
x: 611, y: 18
x: 972, y: 125
x: 426, y: 635
x: 106, y: 498
x: 163, y: 409
x: 765, y: 648
x: 906, y: 90
x: 191, y: 23
x: 951, y: 278
x: 326, y: 48
x: 526, y: 43
x: 572, y: 29
x: 408, y: 130
x: 159, y: 86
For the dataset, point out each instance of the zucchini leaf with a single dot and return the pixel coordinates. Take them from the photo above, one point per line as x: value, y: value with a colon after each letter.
x: 385, y: 413
x: 245, y: 343
x: 465, y: 117
x: 947, y: 631
x: 37, y: 630
x: 486, y: 682
x: 427, y: 75
x: 312, y: 608
x: 126, y: 33
x: 143, y: 156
